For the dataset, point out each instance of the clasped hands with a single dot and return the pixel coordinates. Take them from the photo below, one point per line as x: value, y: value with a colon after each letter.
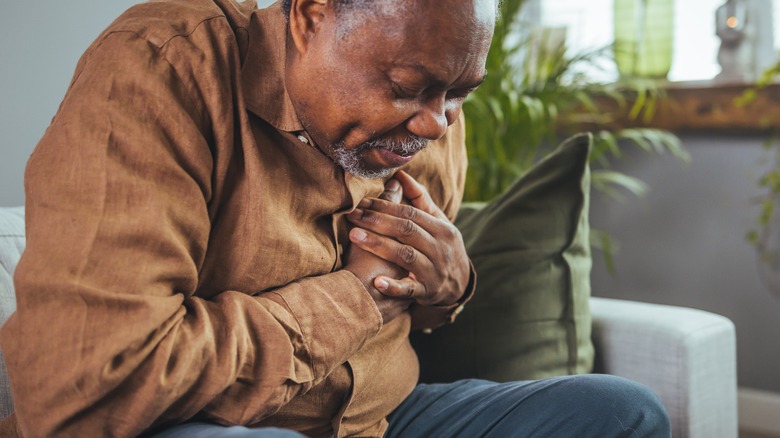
x: 406, y: 253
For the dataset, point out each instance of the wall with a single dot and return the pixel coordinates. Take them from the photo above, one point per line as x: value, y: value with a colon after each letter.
x: 40, y: 43
x: 684, y: 244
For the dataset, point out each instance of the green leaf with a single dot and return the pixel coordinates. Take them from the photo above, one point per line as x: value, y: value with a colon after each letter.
x: 609, y: 247
x: 752, y: 237
x: 608, y: 181
x: 536, y: 93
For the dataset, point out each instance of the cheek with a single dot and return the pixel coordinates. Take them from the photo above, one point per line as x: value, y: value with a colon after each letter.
x: 324, y: 114
x: 353, y: 105
x: 368, y: 114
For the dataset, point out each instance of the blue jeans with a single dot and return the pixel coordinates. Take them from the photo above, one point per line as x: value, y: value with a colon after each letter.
x: 590, y: 405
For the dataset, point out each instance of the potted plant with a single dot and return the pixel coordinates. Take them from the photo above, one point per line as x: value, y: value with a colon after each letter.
x: 535, y: 93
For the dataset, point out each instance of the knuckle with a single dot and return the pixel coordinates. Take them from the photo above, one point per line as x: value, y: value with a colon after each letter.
x: 457, y: 232
x: 450, y: 228
x: 370, y: 217
x: 407, y: 254
x: 408, y: 212
x: 407, y: 228
x: 450, y: 231
x: 410, y: 290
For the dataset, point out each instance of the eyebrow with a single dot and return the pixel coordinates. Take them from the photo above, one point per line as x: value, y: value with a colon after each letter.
x: 431, y: 77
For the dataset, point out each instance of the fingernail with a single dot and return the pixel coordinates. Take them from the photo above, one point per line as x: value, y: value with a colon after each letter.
x: 381, y: 284
x: 358, y: 234
x: 364, y: 203
x: 393, y: 185
x: 356, y: 214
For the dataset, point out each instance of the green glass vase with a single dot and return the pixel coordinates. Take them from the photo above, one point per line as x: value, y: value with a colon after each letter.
x: 644, y: 36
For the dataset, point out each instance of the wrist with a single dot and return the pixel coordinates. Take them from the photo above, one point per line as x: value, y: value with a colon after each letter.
x: 429, y: 318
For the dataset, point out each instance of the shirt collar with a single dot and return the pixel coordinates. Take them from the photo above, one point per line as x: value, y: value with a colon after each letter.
x: 263, y: 73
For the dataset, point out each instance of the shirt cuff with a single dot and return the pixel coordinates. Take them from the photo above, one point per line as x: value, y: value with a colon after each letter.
x: 336, y: 316
x: 428, y: 318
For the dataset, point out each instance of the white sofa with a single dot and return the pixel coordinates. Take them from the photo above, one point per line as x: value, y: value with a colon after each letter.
x: 687, y: 356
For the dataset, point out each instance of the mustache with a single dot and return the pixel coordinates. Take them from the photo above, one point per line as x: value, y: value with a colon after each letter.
x: 407, y: 146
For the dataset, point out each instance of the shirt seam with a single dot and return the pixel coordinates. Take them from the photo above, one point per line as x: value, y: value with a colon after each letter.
x: 161, y: 51
x: 158, y: 49
x: 304, y: 335
x: 187, y: 35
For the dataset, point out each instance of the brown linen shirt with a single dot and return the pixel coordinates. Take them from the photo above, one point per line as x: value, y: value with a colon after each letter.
x: 184, y: 254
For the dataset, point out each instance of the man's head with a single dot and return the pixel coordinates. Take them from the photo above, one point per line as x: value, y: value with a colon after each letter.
x: 373, y: 81
x: 339, y: 5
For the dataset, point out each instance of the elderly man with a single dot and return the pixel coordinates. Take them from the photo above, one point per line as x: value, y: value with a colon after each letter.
x: 220, y: 241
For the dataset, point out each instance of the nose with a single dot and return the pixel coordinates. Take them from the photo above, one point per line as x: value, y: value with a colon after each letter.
x: 433, y: 117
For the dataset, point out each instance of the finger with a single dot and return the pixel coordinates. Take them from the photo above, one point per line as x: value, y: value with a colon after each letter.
x: 418, y: 194
x: 393, y: 191
x: 387, y: 248
x: 407, y: 287
x: 404, y: 230
x: 367, y: 216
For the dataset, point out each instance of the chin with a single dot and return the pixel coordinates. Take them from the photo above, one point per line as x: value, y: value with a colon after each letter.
x: 354, y: 162
x: 372, y: 173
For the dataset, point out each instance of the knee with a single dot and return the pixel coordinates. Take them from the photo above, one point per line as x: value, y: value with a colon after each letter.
x: 632, y: 407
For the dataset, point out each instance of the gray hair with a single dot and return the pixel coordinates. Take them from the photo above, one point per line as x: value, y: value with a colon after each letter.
x: 367, y: 5
x: 341, y: 5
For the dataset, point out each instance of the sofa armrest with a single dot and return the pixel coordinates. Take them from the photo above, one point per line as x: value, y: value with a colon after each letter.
x: 12, y: 243
x: 687, y: 356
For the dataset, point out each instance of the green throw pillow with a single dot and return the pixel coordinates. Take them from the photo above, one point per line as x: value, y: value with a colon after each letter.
x: 530, y: 317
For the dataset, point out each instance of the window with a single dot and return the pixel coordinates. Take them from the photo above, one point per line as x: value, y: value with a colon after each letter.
x: 590, y: 25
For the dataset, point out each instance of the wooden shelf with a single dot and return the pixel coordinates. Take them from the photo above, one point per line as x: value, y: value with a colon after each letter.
x: 711, y: 107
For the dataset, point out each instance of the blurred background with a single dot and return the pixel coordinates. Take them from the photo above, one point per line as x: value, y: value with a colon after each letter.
x: 691, y: 224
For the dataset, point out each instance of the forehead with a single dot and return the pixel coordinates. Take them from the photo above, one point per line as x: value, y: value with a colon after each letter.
x: 442, y: 37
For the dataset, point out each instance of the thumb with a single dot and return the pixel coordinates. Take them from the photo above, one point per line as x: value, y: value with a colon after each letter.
x: 393, y: 191
x: 407, y: 287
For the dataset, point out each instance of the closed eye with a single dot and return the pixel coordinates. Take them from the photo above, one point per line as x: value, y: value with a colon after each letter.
x: 460, y: 93
x: 402, y: 92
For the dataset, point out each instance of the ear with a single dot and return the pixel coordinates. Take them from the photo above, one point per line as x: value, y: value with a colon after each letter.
x: 305, y: 18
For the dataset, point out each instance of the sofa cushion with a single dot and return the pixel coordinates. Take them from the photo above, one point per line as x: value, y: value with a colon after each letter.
x: 529, y: 317
x: 11, y: 246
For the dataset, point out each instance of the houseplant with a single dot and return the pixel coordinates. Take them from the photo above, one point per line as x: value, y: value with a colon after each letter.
x: 765, y: 234
x: 535, y: 93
